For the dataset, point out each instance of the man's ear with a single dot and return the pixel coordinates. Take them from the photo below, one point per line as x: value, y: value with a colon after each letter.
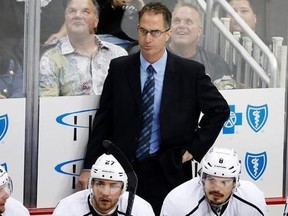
x: 96, y: 22
x: 168, y: 35
x: 199, y: 32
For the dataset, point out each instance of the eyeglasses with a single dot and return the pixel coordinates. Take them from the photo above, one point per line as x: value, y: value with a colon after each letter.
x: 154, y: 33
x: 113, y: 187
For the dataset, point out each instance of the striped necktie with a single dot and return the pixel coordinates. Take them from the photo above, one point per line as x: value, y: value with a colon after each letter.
x: 147, y: 115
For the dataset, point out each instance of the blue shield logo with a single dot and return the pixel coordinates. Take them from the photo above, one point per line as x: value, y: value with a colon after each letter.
x: 255, y: 164
x: 4, y: 165
x: 257, y: 116
x: 3, y: 125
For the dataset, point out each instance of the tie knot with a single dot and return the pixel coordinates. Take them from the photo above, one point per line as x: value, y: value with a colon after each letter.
x: 150, y: 70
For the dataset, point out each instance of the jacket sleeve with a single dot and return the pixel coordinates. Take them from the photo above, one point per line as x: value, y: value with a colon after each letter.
x: 214, y: 111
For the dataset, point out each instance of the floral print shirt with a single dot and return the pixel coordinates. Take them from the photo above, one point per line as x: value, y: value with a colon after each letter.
x: 65, y: 72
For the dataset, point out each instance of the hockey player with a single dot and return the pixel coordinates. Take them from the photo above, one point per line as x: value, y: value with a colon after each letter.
x: 8, y: 205
x: 217, y: 191
x: 106, y: 195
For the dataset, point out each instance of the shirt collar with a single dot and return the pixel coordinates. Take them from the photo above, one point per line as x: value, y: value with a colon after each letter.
x: 67, y: 48
x: 158, y: 65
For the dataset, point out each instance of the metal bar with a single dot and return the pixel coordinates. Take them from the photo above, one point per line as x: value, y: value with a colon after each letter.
x: 31, y: 68
x: 212, y: 18
x: 258, y: 69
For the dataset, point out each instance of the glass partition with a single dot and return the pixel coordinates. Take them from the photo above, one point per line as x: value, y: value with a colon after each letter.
x: 26, y: 30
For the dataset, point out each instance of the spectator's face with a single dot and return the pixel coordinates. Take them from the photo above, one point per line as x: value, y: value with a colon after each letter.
x: 218, y: 189
x: 243, y: 8
x: 152, y: 47
x: 4, y: 195
x: 106, y: 194
x: 80, y: 17
x: 186, y: 28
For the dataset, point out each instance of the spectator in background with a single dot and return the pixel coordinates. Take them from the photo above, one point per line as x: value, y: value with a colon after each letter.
x: 11, y: 75
x: 118, y: 20
x: 109, y: 27
x: 79, y: 63
x: 12, y: 26
x: 186, y: 32
x: 12, y: 23
x: 8, y: 205
x: 106, y: 193
x: 164, y: 125
x: 246, y: 11
x: 217, y: 191
x: 52, y: 19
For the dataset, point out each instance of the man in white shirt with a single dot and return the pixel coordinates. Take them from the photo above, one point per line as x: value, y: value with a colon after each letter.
x: 217, y: 191
x: 106, y: 195
x: 8, y: 205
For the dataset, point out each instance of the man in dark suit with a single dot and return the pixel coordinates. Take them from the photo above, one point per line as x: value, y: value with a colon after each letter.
x: 181, y: 92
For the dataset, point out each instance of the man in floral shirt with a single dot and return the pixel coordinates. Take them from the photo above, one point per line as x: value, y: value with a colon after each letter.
x: 79, y: 62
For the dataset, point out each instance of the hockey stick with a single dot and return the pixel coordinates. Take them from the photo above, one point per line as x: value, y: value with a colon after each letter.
x: 132, y: 177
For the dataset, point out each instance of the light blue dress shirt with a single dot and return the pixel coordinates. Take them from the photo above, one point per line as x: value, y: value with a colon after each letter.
x: 159, y: 67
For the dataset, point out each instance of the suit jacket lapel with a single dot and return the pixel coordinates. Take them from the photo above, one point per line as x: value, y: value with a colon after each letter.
x: 170, y: 81
x: 134, y: 77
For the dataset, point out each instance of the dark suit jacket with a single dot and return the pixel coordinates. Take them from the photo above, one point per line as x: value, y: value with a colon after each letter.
x: 187, y: 91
